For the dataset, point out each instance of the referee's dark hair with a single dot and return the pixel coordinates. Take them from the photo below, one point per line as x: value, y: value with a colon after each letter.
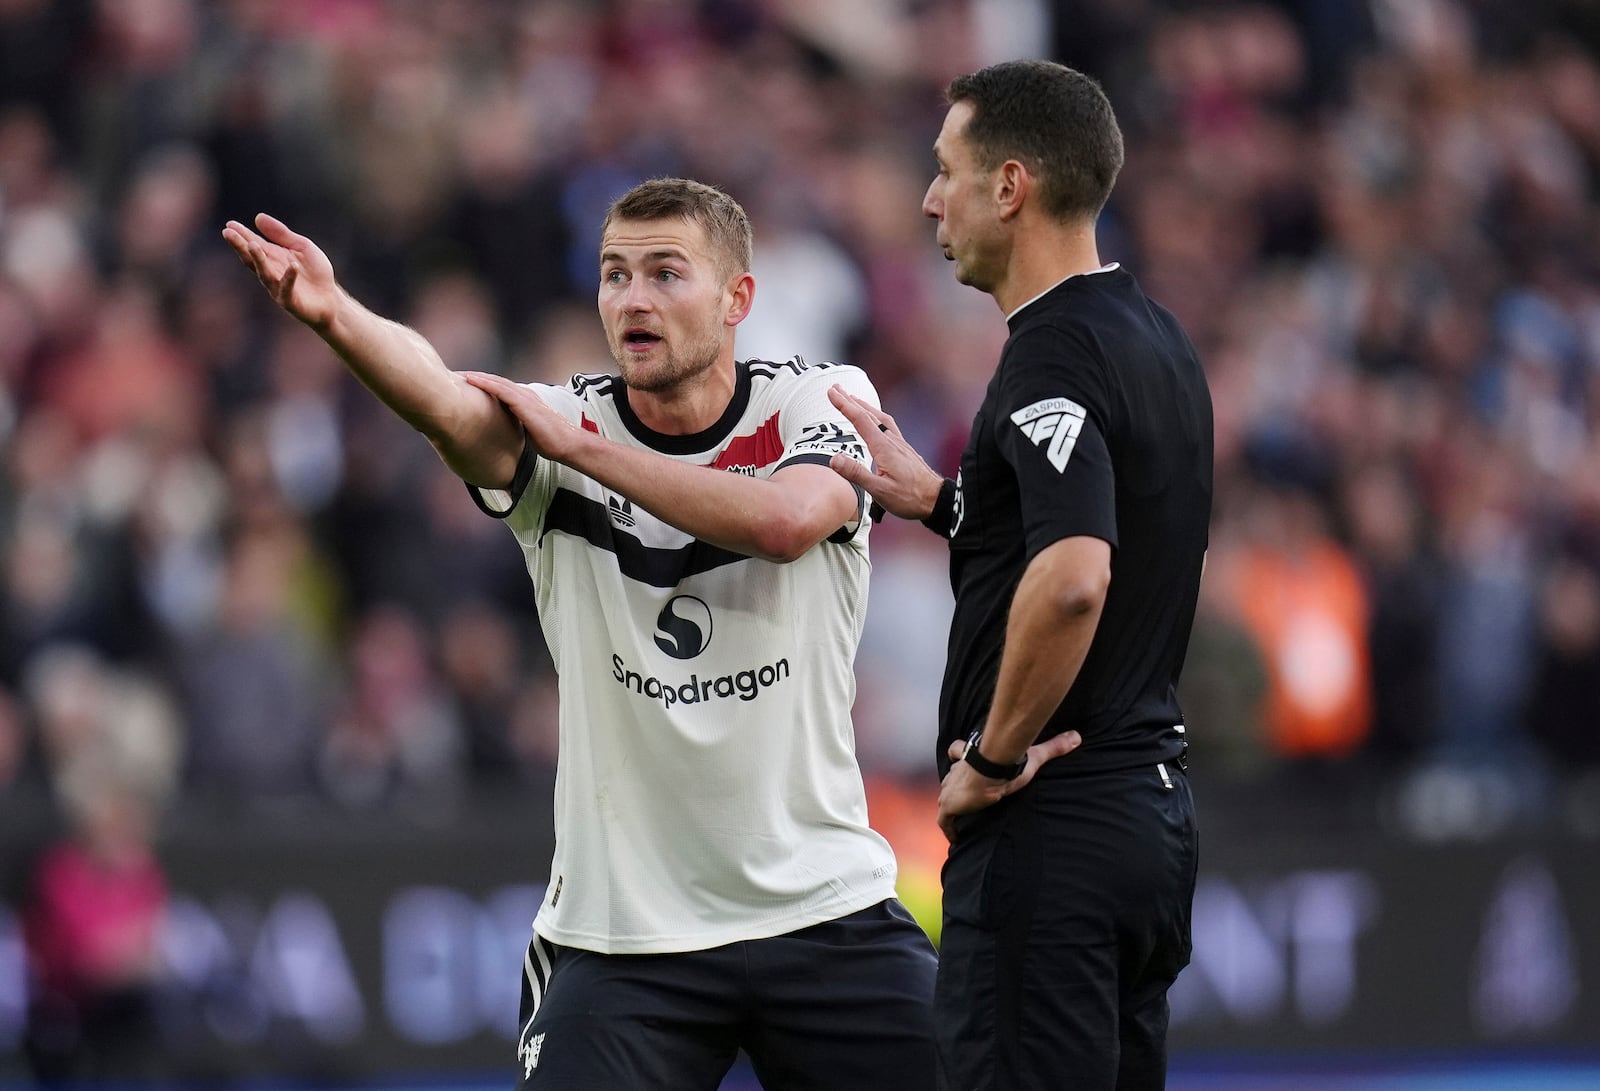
x: 1054, y: 120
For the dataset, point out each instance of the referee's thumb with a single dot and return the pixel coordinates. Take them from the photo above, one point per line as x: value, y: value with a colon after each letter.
x: 851, y: 470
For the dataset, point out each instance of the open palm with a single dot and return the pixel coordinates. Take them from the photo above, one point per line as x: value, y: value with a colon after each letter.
x: 294, y: 270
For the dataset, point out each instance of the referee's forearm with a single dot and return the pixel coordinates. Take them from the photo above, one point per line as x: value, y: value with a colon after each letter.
x: 1052, y: 622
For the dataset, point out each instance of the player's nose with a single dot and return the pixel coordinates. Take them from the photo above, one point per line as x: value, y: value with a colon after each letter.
x: 636, y: 298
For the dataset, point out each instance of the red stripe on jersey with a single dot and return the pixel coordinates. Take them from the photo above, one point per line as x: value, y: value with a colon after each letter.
x: 758, y: 449
x: 589, y: 425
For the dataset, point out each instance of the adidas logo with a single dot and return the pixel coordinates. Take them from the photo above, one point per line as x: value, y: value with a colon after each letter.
x: 621, y: 511
x: 1058, y: 420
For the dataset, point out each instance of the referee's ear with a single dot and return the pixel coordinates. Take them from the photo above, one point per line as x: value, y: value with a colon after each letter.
x: 1013, y: 183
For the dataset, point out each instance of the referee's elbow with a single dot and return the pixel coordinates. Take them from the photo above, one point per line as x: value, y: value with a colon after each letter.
x: 1073, y: 576
x: 1080, y: 598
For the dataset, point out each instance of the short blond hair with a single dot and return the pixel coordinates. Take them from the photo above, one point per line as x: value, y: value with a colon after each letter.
x: 724, y: 220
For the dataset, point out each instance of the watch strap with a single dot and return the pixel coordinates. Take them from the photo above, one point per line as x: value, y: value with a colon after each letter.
x: 994, y: 770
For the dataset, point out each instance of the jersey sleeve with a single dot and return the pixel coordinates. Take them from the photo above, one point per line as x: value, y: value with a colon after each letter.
x: 813, y: 431
x: 1051, y: 429
x: 535, y: 480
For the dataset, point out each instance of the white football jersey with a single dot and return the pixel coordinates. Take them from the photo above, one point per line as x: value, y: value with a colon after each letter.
x: 707, y: 789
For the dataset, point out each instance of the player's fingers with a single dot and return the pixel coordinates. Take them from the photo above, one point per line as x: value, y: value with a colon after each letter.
x: 284, y: 289
x: 245, y: 244
x: 237, y: 235
x: 241, y: 250
x: 516, y: 398
x: 958, y: 750
x: 947, y: 826
x: 233, y: 229
x: 498, y: 385
x: 277, y: 231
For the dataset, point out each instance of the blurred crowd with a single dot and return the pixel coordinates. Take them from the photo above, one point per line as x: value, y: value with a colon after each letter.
x: 228, y: 574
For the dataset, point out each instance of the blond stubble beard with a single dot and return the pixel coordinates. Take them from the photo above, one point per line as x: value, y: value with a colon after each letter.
x: 676, y: 370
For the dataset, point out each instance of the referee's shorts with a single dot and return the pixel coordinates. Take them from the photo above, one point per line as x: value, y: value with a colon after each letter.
x: 841, y: 1006
x: 1066, y: 918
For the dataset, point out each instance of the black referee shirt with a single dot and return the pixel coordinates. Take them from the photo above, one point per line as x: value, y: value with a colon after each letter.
x: 1097, y: 422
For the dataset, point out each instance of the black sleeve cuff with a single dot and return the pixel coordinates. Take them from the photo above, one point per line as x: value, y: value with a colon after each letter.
x: 519, y: 484
x: 942, y: 519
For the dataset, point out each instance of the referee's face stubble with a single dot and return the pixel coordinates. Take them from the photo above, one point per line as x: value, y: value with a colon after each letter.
x: 961, y: 197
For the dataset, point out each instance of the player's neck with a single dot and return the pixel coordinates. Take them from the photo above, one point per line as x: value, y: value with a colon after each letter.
x: 691, y: 406
x: 1043, y: 256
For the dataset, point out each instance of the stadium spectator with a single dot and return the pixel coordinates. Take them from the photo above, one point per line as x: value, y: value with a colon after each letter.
x: 1372, y: 216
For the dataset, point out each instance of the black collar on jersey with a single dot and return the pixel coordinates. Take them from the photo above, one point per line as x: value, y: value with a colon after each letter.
x: 694, y: 442
x: 1066, y: 284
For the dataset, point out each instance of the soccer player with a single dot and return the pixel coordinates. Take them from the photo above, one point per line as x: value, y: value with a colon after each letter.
x: 1078, y: 531
x: 701, y: 578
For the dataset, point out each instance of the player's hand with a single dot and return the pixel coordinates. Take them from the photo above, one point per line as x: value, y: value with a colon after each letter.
x: 965, y: 790
x: 551, y: 434
x: 294, y: 270
x: 901, y: 482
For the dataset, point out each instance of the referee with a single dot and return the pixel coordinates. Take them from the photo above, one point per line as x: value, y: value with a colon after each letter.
x: 1078, y: 530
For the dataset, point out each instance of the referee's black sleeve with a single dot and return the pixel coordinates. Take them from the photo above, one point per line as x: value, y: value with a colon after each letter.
x: 1052, y: 431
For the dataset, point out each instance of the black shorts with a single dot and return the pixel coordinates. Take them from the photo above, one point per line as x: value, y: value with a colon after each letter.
x: 1066, y: 919
x: 839, y: 1006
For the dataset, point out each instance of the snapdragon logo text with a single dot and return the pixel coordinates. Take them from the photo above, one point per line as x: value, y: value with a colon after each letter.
x: 745, y: 685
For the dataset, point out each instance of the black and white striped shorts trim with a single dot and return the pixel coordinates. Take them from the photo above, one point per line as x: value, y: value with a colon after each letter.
x: 535, y: 980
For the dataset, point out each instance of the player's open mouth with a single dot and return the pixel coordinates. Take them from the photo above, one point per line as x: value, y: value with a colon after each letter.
x: 640, y: 339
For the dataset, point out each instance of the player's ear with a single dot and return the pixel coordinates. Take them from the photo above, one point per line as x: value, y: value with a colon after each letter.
x: 741, y: 296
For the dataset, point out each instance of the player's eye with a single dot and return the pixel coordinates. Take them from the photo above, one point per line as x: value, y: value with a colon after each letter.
x: 665, y: 275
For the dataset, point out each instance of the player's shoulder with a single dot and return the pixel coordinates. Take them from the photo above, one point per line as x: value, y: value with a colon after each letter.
x: 797, y: 373
x: 797, y: 369
x: 592, y: 393
x: 592, y: 386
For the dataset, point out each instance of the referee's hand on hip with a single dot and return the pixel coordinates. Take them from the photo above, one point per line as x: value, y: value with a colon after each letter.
x: 964, y: 790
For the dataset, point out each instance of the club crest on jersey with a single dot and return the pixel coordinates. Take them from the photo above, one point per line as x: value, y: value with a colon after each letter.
x: 1058, y: 420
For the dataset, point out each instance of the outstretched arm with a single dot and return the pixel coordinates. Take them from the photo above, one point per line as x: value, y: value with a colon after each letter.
x: 472, y: 433
x: 776, y: 519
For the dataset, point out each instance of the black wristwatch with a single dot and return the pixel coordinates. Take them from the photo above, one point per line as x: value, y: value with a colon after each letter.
x: 994, y: 770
